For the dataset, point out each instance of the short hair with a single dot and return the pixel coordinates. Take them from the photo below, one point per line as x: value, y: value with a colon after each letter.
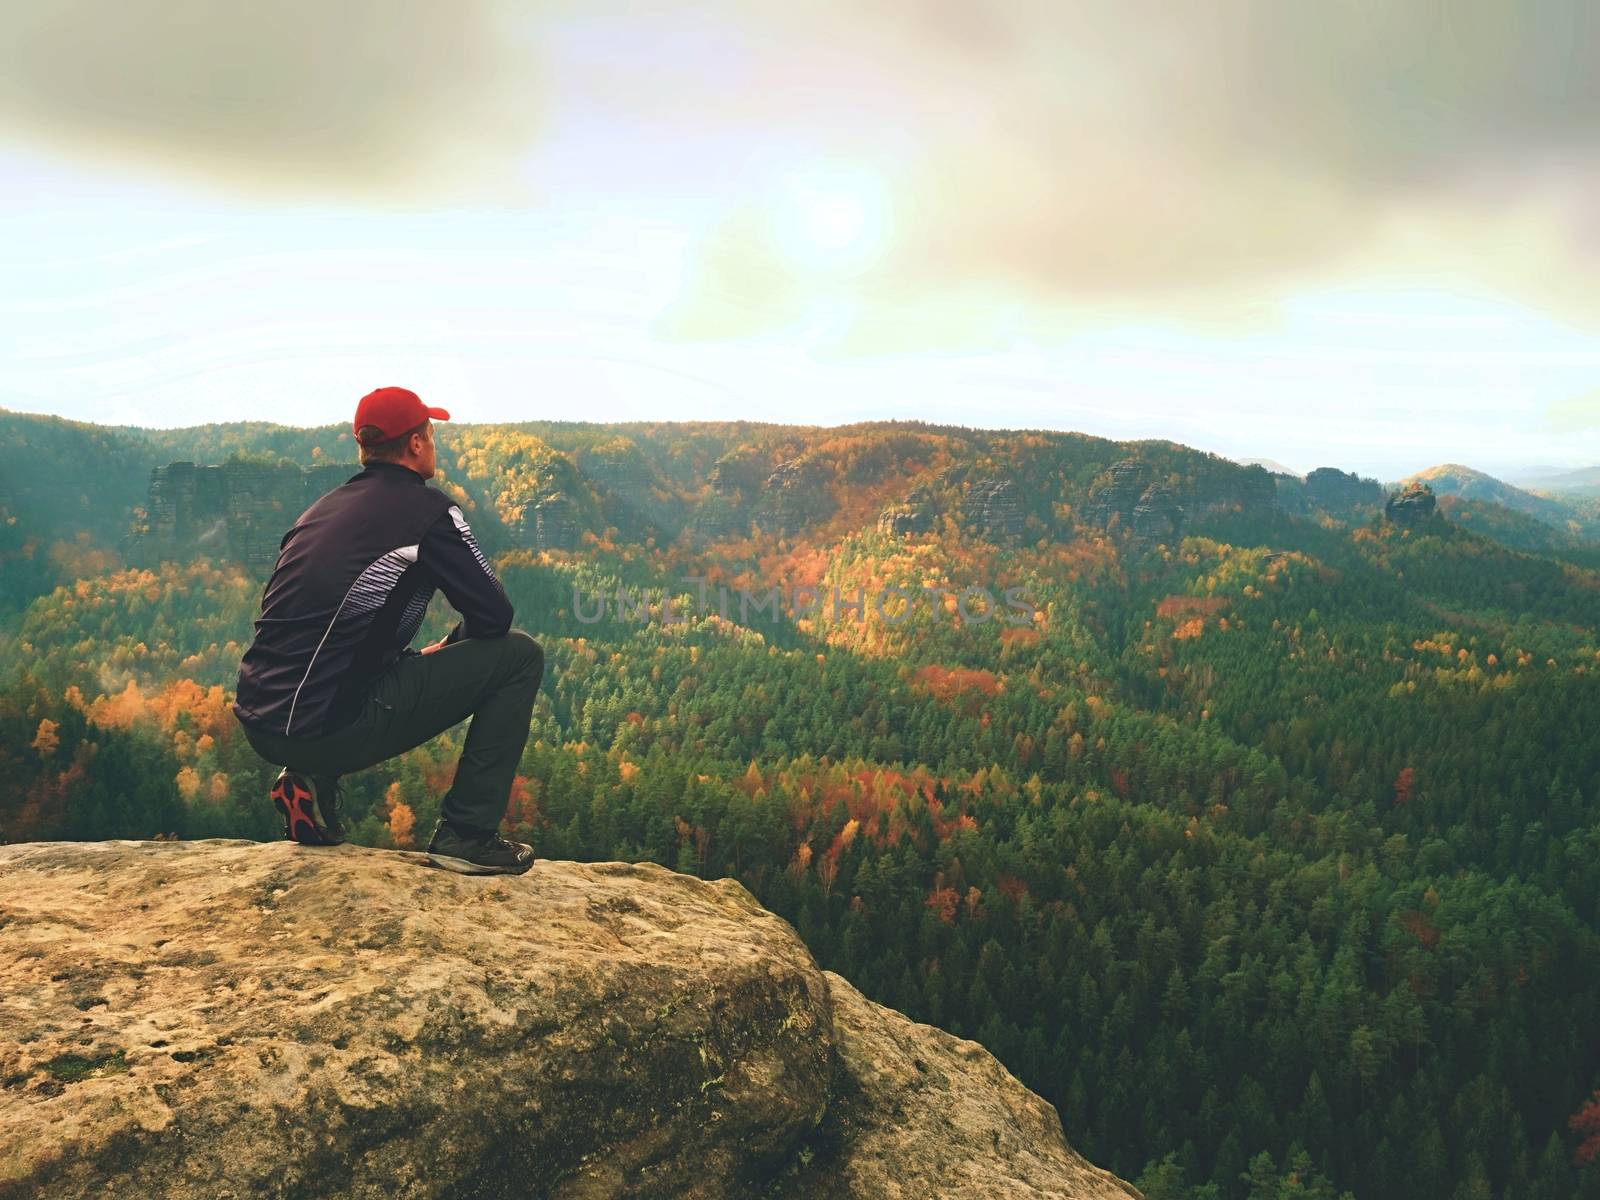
x: 392, y: 450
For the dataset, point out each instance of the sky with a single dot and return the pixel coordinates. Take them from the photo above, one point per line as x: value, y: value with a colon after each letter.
x: 1362, y: 234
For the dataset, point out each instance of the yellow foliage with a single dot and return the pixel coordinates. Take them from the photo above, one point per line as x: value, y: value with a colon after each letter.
x: 402, y: 821
x: 46, y: 739
x: 802, y: 860
x: 119, y: 711
x: 80, y: 560
x: 848, y: 833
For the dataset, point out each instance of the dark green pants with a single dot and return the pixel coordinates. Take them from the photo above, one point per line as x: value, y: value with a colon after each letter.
x: 419, y: 696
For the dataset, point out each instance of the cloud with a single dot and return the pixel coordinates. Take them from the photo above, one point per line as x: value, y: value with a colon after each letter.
x: 1575, y: 414
x: 1179, y: 157
x: 739, y: 285
x: 1066, y: 152
x: 390, y: 101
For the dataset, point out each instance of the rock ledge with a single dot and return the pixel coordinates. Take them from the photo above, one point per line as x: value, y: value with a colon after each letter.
x: 228, y: 1018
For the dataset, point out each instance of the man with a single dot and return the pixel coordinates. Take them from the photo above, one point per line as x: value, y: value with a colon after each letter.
x: 330, y: 685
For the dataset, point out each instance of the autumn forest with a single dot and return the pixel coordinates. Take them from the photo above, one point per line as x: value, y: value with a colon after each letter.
x: 1266, y: 848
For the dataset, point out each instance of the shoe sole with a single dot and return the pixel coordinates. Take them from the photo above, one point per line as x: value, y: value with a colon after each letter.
x: 465, y: 866
x: 302, y: 819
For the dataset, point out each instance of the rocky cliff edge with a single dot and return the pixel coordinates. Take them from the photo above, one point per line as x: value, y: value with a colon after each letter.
x: 227, y: 1018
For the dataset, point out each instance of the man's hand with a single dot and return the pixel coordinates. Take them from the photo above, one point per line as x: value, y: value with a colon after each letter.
x: 439, y: 645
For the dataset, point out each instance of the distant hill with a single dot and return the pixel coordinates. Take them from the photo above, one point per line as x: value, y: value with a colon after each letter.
x: 1520, y: 531
x: 80, y: 498
x: 75, y: 490
x: 1275, y: 796
x: 1452, y: 479
x: 1555, y: 479
x: 1269, y: 464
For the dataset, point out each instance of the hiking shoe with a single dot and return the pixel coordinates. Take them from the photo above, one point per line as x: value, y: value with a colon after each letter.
x: 484, y: 854
x: 309, y: 806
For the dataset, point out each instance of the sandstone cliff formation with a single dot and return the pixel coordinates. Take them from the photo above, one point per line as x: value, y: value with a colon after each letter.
x: 919, y: 513
x: 1117, y: 491
x: 994, y: 508
x: 902, y: 519
x: 719, y: 517
x: 794, y: 496
x: 633, y: 496
x: 233, y: 1019
x: 239, y: 509
x: 740, y: 472
x: 1157, y: 517
x: 1411, y: 505
x: 1143, y: 505
x: 556, y: 524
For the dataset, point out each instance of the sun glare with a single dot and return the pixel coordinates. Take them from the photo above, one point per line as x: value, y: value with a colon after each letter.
x: 832, y: 224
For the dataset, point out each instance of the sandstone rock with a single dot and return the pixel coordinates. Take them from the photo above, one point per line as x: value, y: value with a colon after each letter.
x: 1148, y: 509
x: 718, y: 518
x: 920, y: 510
x: 739, y: 472
x: 794, y: 496
x: 1411, y: 505
x: 995, y: 508
x: 1158, y: 508
x: 1157, y: 516
x: 924, y: 1113
x: 1117, y: 490
x: 556, y: 523
x: 630, y: 498
x: 903, y: 519
x: 237, y: 510
x: 233, y: 1019
x: 323, y: 479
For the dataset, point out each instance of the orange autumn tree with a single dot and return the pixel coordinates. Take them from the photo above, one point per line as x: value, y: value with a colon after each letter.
x: 523, y: 811
x: 402, y: 821
x: 178, y: 702
x: 1586, y: 1122
x: 1403, y: 783
x: 46, y: 739
x: 969, y: 685
x: 944, y: 902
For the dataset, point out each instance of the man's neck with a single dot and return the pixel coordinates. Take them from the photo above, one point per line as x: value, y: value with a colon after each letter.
x: 384, y: 464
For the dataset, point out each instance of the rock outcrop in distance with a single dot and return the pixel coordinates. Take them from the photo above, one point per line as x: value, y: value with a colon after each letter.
x: 994, y: 508
x: 239, y: 509
x: 1147, y: 507
x: 1411, y: 505
x: 235, y: 1019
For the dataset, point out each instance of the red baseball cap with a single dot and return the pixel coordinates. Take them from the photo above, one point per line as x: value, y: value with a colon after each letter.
x: 394, y: 410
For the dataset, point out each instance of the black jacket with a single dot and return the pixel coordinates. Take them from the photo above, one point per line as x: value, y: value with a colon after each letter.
x: 348, y: 593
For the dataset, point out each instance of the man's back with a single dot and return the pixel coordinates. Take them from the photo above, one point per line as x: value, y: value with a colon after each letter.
x: 352, y: 582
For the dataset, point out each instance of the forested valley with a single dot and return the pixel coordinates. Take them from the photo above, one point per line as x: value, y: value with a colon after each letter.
x: 1266, y: 846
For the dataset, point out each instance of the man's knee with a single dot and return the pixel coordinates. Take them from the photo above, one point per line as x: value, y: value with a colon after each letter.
x: 524, y: 649
x: 522, y: 643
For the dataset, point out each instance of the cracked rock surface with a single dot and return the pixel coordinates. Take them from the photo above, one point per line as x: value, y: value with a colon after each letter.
x: 227, y: 1018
